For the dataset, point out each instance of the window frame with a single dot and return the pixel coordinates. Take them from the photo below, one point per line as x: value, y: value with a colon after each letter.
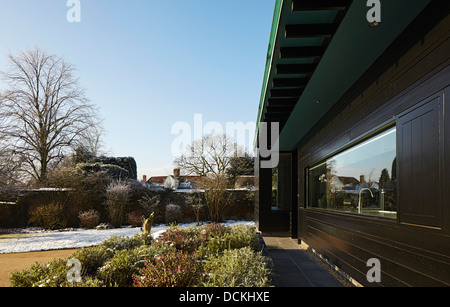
x: 378, y: 130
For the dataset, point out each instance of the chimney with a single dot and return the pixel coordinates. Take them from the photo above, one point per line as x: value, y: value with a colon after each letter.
x: 144, y: 178
x: 176, y: 172
x: 362, y: 179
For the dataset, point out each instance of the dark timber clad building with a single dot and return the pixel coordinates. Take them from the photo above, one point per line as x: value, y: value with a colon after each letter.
x: 364, y: 136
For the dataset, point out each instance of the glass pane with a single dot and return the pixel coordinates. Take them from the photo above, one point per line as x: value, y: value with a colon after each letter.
x: 361, y: 179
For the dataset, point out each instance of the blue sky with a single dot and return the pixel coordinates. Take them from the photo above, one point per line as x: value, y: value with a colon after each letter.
x: 148, y: 64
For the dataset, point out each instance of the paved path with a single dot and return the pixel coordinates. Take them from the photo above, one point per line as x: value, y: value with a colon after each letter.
x: 294, y: 266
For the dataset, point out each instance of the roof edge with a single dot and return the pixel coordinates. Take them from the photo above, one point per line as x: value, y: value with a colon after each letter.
x: 270, y: 52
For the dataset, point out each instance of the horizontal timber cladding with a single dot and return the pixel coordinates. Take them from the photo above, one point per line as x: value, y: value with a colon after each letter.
x: 409, y: 256
x: 412, y: 251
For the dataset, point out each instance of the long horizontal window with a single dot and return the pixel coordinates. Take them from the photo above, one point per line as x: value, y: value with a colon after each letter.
x: 361, y: 179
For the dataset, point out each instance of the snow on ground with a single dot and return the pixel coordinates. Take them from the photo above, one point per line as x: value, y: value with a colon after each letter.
x: 38, y: 240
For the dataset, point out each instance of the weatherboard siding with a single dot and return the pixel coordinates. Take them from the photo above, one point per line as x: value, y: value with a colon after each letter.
x: 413, y: 252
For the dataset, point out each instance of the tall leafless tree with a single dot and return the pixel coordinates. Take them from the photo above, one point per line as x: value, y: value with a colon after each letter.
x: 210, y: 155
x: 44, y: 110
x: 91, y: 141
x: 10, y: 166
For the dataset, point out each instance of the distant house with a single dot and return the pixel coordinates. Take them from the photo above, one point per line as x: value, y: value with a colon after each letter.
x: 348, y: 180
x: 159, y: 180
x: 154, y: 183
x: 178, y: 182
x: 171, y: 182
x: 195, y: 181
x: 351, y: 184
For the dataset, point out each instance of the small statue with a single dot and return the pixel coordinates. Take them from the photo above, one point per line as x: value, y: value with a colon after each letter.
x: 147, y: 223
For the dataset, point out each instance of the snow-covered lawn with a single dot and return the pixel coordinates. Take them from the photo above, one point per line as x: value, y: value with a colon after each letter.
x: 38, y: 240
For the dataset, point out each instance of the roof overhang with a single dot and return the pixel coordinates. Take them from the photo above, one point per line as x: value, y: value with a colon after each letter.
x: 318, y: 49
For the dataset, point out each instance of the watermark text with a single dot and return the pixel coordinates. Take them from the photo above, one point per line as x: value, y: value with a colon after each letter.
x: 74, y: 273
x: 74, y: 13
x: 374, y: 273
x: 374, y: 13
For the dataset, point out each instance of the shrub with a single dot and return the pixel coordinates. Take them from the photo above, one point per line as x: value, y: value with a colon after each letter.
x: 119, y: 270
x: 172, y: 269
x: 89, y: 219
x: 113, y: 171
x: 212, y: 230
x: 52, y: 216
x: 86, y: 190
x: 195, y: 201
x: 149, y: 203
x: 241, y: 236
x: 92, y: 258
x: 237, y: 237
x: 135, y: 218
x: 41, y: 275
x: 217, y: 197
x: 120, y: 243
x: 93, y: 261
x: 237, y: 268
x: 53, y: 274
x: 126, y: 163
x: 182, y: 239
x: 117, y: 194
x: 173, y: 214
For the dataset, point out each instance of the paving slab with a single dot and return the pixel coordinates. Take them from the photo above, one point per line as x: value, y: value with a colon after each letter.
x: 294, y: 267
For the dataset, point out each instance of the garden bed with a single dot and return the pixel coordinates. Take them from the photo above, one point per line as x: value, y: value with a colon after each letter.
x: 22, y: 240
x: 214, y: 255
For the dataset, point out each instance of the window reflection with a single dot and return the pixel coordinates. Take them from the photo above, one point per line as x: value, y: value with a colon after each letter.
x: 361, y: 179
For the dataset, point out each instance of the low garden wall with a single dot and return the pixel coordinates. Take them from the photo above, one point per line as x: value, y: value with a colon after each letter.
x: 16, y: 206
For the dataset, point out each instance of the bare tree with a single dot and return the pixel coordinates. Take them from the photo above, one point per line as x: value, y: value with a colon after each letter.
x: 10, y: 167
x: 90, y: 140
x: 210, y: 155
x: 44, y: 110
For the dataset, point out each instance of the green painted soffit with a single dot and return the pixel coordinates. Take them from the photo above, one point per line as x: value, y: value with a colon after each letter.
x: 354, y: 48
x: 270, y: 52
